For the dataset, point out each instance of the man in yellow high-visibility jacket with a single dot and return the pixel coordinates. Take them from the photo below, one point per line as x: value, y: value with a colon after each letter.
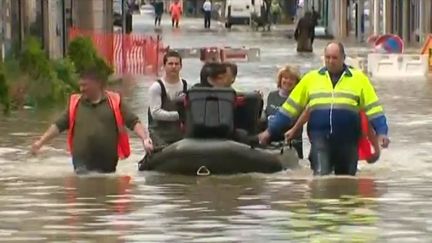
x: 334, y: 94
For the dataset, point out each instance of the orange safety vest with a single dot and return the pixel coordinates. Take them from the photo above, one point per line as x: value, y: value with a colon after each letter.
x: 364, y: 146
x: 176, y: 10
x: 123, y: 146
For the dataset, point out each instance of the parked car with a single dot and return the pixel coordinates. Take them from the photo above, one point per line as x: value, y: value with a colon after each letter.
x: 147, y: 9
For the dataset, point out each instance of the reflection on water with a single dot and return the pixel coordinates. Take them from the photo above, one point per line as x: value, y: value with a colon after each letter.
x: 210, y: 209
x: 42, y: 200
x: 215, y: 209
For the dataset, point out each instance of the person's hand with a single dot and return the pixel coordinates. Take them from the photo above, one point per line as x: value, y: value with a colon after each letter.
x: 289, y: 135
x: 264, y: 137
x: 383, y: 141
x: 374, y: 158
x: 36, y: 146
x: 148, y: 145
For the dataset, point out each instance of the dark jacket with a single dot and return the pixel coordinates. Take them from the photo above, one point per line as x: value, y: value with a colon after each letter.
x: 304, y: 33
x: 274, y: 101
x: 158, y: 8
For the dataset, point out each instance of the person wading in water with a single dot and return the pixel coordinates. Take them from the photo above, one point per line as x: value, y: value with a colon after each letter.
x: 95, y: 120
x: 164, y: 119
x: 334, y: 94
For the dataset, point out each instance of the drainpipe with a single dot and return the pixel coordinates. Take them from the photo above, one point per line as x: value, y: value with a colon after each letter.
x: 123, y: 2
x: 386, y: 17
x: 360, y: 24
x: 421, y: 19
x: 2, y: 29
x: 376, y: 17
x: 405, y: 20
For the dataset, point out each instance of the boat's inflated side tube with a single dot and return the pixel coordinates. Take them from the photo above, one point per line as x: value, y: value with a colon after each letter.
x: 218, y: 156
x: 212, y: 125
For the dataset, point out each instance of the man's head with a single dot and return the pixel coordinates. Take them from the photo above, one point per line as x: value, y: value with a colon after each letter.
x: 231, y: 73
x: 172, y: 63
x: 334, y: 56
x: 91, y: 83
x: 216, y: 74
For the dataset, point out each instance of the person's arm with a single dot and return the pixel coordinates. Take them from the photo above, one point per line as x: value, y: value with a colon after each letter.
x: 133, y: 123
x: 49, y: 134
x: 304, y: 117
x: 156, y: 105
x: 141, y: 131
x: 131, y: 120
x: 294, y: 131
x: 61, y: 124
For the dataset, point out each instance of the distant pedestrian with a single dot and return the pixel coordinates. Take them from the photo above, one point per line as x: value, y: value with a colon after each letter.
x: 275, y: 11
x: 158, y: 9
x: 207, y: 8
x: 304, y: 33
x: 176, y: 10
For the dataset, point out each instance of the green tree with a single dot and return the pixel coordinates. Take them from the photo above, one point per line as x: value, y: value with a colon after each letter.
x: 84, y: 55
x: 4, y: 91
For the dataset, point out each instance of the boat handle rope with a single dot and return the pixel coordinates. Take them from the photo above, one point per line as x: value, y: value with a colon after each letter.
x: 203, y: 171
x: 288, y: 144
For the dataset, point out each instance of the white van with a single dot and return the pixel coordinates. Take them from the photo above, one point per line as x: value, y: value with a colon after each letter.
x: 238, y: 12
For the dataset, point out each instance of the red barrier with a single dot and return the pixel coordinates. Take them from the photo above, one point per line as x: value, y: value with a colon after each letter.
x: 127, y: 53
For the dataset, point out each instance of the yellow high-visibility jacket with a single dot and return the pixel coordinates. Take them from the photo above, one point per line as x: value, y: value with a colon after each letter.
x: 334, y: 109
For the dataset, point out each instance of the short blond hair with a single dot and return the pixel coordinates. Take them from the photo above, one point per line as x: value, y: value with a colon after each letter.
x: 289, y: 71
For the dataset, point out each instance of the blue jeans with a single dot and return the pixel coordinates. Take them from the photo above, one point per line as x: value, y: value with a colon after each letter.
x: 328, y: 155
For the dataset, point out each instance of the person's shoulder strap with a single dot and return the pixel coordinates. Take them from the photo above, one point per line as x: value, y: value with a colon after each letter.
x: 73, y: 100
x: 73, y: 104
x: 163, y: 90
x: 114, y: 99
x: 184, y: 85
x: 75, y: 97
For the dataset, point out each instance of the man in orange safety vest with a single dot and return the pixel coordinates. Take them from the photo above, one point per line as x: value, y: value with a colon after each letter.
x: 95, y: 121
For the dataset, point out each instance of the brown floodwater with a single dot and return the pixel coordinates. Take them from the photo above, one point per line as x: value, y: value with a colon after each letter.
x: 41, y: 200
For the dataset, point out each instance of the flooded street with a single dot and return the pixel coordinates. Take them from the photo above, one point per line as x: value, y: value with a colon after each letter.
x: 42, y: 200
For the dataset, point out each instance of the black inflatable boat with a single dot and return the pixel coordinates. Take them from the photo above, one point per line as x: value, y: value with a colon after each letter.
x: 217, y: 123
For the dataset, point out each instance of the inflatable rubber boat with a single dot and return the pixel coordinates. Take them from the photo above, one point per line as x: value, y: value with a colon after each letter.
x: 216, y: 141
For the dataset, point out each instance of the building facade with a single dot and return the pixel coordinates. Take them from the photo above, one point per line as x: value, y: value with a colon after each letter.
x: 410, y: 19
x: 50, y: 21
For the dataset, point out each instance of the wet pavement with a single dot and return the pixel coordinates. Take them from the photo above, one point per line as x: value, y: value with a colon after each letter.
x: 42, y: 201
